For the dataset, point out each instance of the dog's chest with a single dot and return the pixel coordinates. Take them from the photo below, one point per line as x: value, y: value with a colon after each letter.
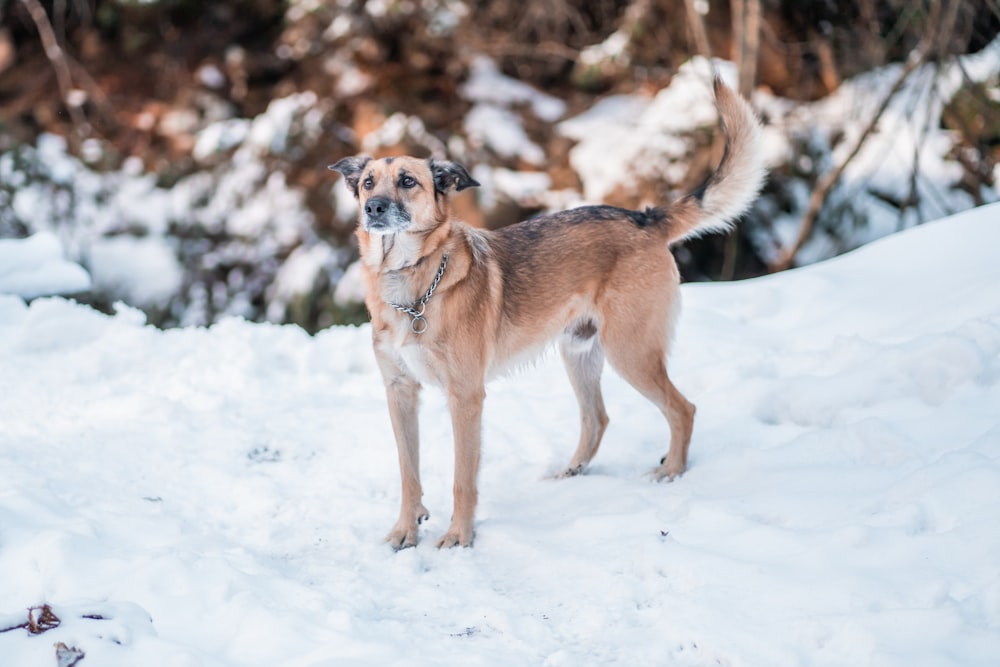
x: 419, y: 363
x: 410, y: 349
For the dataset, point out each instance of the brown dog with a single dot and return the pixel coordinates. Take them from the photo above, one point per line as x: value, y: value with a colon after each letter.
x: 454, y: 306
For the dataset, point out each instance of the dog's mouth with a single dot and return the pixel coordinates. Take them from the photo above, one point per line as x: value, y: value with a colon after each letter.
x: 384, y: 226
x: 384, y: 216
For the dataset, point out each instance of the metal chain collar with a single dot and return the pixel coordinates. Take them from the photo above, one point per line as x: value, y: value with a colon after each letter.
x: 418, y: 324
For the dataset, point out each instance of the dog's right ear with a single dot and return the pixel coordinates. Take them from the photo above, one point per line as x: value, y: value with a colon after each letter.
x: 351, y: 168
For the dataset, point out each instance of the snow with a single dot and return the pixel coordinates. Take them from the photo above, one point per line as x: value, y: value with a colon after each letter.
x: 211, y: 76
x: 128, y: 231
x: 501, y: 131
x: 220, y: 136
x: 175, y: 248
x: 270, y: 131
x: 909, y: 137
x: 487, y: 85
x: 625, y: 137
x: 35, y: 267
x: 492, y: 123
x: 613, y: 48
x: 142, y: 270
x: 909, y: 159
x: 396, y: 129
x: 297, y: 276
x: 218, y: 496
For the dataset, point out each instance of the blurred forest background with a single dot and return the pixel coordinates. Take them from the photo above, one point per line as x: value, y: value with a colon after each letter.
x: 177, y: 148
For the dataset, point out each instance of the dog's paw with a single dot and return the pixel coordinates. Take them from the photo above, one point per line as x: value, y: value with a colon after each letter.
x: 572, y: 471
x: 457, y: 536
x: 404, y: 534
x: 402, y: 537
x: 667, y: 470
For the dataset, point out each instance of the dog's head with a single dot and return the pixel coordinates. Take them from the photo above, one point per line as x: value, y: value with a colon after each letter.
x: 399, y: 194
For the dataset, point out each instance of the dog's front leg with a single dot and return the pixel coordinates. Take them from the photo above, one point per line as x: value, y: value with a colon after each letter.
x: 402, y: 392
x: 466, y: 405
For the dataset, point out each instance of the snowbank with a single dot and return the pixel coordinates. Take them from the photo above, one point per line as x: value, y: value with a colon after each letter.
x: 205, y: 247
x: 627, y: 137
x: 907, y: 171
x: 218, y: 496
x: 36, y: 267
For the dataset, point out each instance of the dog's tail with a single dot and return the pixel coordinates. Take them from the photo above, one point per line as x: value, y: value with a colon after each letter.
x: 730, y: 190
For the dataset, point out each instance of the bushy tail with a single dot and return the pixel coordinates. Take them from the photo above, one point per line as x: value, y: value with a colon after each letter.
x: 734, y: 185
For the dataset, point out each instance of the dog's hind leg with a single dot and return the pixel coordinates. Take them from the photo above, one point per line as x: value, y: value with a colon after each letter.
x: 680, y: 414
x: 583, y: 356
x: 638, y: 353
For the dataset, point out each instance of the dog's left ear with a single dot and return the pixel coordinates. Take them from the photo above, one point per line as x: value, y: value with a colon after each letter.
x: 351, y: 168
x: 449, y: 175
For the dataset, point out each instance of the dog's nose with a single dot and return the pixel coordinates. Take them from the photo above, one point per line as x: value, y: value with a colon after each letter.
x: 376, y: 207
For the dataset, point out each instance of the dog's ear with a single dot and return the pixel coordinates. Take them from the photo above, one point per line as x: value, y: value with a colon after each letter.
x: 351, y: 168
x: 449, y: 175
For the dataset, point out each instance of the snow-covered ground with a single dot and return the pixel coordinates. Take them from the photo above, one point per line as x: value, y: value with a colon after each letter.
x: 219, y: 496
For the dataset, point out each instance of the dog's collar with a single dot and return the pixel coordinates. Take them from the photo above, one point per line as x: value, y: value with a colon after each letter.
x: 418, y: 323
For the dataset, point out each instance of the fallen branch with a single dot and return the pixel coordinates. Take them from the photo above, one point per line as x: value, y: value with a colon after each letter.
x: 918, y: 57
x: 12, y: 625
x: 40, y: 619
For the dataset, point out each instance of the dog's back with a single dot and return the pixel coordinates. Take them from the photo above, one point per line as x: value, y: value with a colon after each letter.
x: 584, y: 263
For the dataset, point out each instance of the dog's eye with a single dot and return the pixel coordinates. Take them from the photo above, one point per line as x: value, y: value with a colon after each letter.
x: 368, y: 183
x: 407, y: 182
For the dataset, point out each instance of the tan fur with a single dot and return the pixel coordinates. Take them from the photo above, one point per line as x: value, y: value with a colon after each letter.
x: 601, y: 280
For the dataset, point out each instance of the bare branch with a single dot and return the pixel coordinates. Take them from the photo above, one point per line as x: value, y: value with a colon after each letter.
x: 57, y: 58
x: 736, y: 16
x: 751, y: 47
x: 546, y: 49
x: 59, y: 20
x: 696, y: 24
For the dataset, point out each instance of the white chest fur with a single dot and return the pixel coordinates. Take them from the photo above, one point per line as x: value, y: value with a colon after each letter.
x: 418, y: 362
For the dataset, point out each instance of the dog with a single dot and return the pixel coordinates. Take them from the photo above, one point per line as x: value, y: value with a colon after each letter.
x: 452, y: 306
